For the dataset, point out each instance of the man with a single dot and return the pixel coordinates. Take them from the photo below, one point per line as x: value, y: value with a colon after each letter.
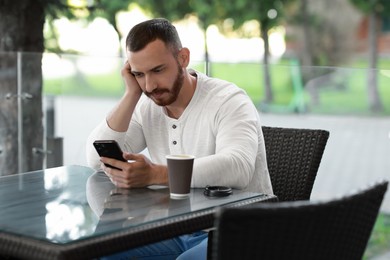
x: 182, y: 111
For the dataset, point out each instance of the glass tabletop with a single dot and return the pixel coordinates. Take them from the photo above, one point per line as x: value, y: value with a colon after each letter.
x: 71, y: 203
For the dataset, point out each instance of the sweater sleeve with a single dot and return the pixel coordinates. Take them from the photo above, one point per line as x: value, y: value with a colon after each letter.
x: 132, y: 141
x: 236, y: 146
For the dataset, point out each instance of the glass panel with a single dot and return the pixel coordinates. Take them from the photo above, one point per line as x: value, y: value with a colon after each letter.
x: 78, y: 91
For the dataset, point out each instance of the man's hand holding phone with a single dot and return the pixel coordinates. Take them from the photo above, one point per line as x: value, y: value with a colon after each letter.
x: 110, y: 149
x: 139, y: 173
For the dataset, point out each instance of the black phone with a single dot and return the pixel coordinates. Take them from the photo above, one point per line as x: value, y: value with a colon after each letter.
x: 109, y: 148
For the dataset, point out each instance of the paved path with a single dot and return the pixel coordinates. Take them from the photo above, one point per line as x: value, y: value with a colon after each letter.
x: 357, y: 152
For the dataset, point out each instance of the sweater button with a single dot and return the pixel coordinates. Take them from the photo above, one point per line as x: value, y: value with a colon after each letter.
x: 174, y: 126
x: 174, y: 142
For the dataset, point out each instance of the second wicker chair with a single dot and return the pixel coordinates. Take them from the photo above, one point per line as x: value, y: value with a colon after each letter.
x: 334, y: 229
x: 293, y: 158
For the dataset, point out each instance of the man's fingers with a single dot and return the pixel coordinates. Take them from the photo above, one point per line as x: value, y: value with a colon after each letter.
x: 133, y: 156
x: 113, y: 162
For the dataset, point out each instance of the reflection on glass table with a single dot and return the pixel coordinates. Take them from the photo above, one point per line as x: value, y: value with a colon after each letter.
x: 74, y: 212
x: 121, y: 208
x: 48, y: 205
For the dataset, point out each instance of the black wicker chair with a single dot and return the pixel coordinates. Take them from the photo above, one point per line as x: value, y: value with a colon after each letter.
x: 293, y: 158
x: 335, y: 229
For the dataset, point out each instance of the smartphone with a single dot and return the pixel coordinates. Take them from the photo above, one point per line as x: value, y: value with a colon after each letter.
x: 109, y: 148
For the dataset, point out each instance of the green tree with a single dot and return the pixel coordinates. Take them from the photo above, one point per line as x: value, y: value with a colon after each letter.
x: 269, y: 13
x: 21, y: 48
x: 374, y: 9
x: 208, y: 12
x: 109, y: 10
x: 84, y: 11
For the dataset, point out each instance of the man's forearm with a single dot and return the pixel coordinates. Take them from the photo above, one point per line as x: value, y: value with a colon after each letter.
x: 119, y: 118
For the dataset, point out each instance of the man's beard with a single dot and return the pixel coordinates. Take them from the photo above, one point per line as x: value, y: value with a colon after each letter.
x: 172, y: 94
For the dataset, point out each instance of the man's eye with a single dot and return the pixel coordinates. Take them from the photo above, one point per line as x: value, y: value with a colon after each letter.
x: 138, y: 75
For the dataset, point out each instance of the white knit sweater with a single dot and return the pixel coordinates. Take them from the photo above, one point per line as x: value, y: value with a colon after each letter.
x: 220, y: 126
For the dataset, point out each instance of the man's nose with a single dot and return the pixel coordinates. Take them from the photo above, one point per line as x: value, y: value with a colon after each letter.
x: 150, y: 84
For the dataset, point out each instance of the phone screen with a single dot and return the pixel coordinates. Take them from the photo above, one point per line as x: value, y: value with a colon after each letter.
x: 110, y: 149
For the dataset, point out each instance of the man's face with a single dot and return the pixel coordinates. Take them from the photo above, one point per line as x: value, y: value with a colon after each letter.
x: 166, y: 96
x: 158, y: 72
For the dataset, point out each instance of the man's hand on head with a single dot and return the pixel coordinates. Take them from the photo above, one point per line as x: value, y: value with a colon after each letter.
x: 131, y: 83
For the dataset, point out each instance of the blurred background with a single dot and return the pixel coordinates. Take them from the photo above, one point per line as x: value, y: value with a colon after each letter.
x: 304, y: 63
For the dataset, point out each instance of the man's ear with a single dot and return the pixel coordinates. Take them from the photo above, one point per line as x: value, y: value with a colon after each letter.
x: 184, y: 57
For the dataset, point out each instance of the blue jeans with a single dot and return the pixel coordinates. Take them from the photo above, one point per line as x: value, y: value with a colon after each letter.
x: 191, y: 246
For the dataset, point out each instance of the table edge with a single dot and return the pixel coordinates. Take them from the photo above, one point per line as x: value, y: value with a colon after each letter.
x: 106, y: 244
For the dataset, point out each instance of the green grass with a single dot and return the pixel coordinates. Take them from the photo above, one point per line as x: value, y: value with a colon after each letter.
x: 109, y: 85
x: 379, y: 242
x: 353, y: 100
x: 250, y: 76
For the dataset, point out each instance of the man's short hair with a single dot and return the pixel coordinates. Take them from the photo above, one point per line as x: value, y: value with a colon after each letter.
x: 148, y: 31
